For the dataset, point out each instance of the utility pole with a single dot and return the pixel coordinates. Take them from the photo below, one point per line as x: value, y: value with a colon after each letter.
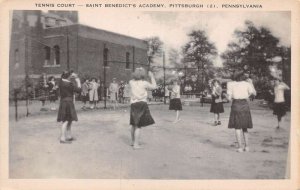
x: 68, y: 58
x: 164, y: 68
x: 282, y: 62
x: 133, y: 58
x: 26, y: 70
x: 202, y: 87
x: 105, y: 57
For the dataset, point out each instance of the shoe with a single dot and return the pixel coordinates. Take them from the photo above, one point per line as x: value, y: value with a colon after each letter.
x: 247, y: 149
x: 240, y: 150
x: 219, y: 122
x: 71, y: 139
x: 137, y: 147
x: 65, y: 142
x: 176, y: 121
x: 215, y: 124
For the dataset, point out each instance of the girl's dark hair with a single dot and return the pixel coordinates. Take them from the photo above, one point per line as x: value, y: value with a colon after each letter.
x: 50, y: 78
x: 65, y: 74
x: 216, y: 81
x: 238, y: 75
x: 275, y: 78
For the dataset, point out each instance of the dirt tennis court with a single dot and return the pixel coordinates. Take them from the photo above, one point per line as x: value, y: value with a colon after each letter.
x: 190, y: 149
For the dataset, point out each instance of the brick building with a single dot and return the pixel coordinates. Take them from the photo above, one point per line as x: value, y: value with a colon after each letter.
x: 54, y: 41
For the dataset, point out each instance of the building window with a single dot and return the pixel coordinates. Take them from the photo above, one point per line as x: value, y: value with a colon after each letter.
x: 17, y: 56
x: 56, y: 55
x: 105, y: 57
x: 47, y: 55
x: 127, y: 60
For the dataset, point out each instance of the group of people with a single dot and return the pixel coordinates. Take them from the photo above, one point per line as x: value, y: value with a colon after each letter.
x: 238, y: 91
x: 93, y: 91
x: 47, y: 89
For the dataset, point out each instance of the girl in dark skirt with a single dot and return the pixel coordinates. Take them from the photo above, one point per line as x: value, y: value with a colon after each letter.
x: 279, y: 108
x: 69, y: 84
x: 217, y: 103
x: 139, y: 111
x: 240, y: 117
x: 175, y: 102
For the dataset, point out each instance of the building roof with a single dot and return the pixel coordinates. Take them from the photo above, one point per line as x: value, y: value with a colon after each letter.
x: 104, y: 35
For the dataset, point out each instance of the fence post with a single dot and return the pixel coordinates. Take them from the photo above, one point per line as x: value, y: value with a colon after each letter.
x: 26, y: 74
x: 26, y: 91
x: 16, y: 104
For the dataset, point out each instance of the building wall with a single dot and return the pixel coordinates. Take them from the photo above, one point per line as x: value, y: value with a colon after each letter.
x: 91, y: 62
x: 86, y: 46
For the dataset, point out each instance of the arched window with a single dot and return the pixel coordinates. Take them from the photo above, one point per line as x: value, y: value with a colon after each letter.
x: 17, y: 59
x: 127, y: 60
x: 56, y: 55
x: 47, y: 55
x: 105, y: 57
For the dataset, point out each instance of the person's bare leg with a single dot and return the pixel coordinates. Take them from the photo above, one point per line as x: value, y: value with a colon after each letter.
x: 68, y: 133
x: 219, y: 122
x: 63, y: 131
x: 132, y: 134
x: 239, y: 139
x: 137, y: 138
x: 246, y: 139
x: 216, y: 118
x: 279, y: 121
x: 177, y: 117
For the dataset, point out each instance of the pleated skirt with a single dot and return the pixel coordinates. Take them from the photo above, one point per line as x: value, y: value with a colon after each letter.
x: 66, y: 111
x: 140, y: 115
x: 240, y: 116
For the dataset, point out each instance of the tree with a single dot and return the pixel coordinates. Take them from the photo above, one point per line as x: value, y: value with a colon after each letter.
x: 154, y: 47
x: 199, y: 53
x: 175, y: 59
x: 253, y: 48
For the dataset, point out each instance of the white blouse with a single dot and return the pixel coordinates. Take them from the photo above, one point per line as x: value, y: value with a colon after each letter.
x: 175, y: 93
x: 279, y: 92
x: 139, y: 90
x: 240, y: 90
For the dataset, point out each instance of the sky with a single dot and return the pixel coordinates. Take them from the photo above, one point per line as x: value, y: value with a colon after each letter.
x: 172, y: 27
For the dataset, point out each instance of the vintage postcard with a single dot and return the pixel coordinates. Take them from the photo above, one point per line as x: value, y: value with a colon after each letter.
x: 149, y: 94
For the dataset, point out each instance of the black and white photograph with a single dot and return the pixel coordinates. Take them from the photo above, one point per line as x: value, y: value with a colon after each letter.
x: 97, y: 93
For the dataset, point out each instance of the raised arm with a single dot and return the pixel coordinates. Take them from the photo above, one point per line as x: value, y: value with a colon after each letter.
x: 286, y: 87
x: 152, y: 85
x: 77, y: 85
